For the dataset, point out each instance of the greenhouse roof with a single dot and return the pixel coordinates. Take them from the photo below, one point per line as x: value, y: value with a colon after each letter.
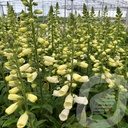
x: 67, y: 5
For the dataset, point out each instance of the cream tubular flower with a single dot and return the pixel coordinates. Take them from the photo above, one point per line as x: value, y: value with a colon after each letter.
x: 83, y: 65
x: 31, y: 97
x: 14, y: 90
x: 52, y: 79
x: 83, y: 79
x: 63, y: 90
x: 32, y: 77
x: 24, y: 67
x: 48, y: 63
x: 61, y: 72
x: 76, y: 76
x: 56, y: 93
x: 80, y: 100
x: 22, y: 120
x: 11, y: 108
x: 14, y: 97
x: 68, y: 76
x: 64, y: 115
x: 26, y: 51
x: 68, y: 102
x: 62, y: 67
x: 49, y: 58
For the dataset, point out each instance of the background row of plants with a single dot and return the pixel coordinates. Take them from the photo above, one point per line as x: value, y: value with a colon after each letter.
x: 40, y: 60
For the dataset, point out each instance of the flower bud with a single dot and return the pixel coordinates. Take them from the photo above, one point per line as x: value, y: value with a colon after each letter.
x: 11, y: 108
x: 61, y: 67
x: 31, y: 97
x: 38, y: 12
x: 31, y: 20
x: 43, y: 26
x: 83, y: 65
x: 23, y: 29
x: 49, y: 58
x: 14, y: 97
x: 61, y: 72
x: 14, y: 90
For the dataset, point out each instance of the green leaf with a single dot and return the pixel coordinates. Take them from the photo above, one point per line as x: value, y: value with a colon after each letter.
x: 10, y: 121
x: 97, y: 117
x: 35, y: 107
x: 52, y: 119
x: 71, y: 119
x: 40, y: 122
x: 48, y: 107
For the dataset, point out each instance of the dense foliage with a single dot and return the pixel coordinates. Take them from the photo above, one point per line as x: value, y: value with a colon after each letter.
x: 43, y: 66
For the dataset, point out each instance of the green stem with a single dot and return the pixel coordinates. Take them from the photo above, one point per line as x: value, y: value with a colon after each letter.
x: 35, y: 51
x: 21, y: 80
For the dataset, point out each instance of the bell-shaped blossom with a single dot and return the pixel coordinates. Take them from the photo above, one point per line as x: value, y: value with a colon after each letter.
x: 32, y: 77
x: 31, y: 97
x: 14, y: 97
x: 52, y: 79
x: 79, y: 78
x: 11, y: 108
x: 24, y: 67
x: 80, y: 100
x: 76, y: 76
x: 68, y: 102
x: 64, y: 115
x: 63, y: 90
x: 22, y: 121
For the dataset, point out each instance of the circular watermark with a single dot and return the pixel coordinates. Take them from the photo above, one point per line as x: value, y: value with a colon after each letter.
x: 107, y: 107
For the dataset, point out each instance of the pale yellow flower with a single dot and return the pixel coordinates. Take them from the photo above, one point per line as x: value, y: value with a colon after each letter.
x: 49, y: 58
x: 11, y: 108
x: 24, y: 67
x: 76, y: 76
x: 22, y: 120
x: 61, y: 72
x: 56, y: 93
x: 14, y: 97
x: 80, y: 100
x: 14, y: 90
x: 63, y: 90
x: 83, y: 79
x: 68, y: 102
x: 62, y: 67
x: 33, y: 77
x: 31, y: 97
x: 52, y: 79
x: 83, y: 65
x: 64, y: 115
x: 48, y: 63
